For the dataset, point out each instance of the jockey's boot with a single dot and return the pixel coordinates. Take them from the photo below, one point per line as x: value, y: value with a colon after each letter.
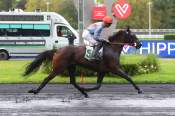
x: 95, y: 53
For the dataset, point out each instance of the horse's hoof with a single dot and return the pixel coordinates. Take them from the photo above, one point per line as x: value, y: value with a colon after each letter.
x: 140, y: 92
x: 86, y: 95
x: 32, y: 91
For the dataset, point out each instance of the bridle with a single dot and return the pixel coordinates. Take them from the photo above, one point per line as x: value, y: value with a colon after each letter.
x: 120, y: 43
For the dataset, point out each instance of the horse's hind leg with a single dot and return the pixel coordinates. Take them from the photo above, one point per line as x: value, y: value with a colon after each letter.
x: 43, y: 84
x: 121, y: 73
x: 71, y: 70
x: 100, y: 77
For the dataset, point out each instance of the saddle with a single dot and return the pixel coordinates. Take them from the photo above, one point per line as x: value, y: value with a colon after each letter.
x: 89, y: 53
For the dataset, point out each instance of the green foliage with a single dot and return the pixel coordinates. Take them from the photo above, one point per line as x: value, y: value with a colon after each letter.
x: 64, y: 7
x: 6, y: 4
x: 9, y: 4
x: 68, y: 10
x: 140, y: 15
x: 162, y: 14
x: 131, y: 69
x: 162, y: 11
x: 100, y: 1
x: 148, y: 65
x: 32, y: 5
x: 20, y: 4
x: 169, y: 37
x: 166, y: 10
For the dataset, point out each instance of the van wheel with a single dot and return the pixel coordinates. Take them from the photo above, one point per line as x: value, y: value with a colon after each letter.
x: 4, y: 55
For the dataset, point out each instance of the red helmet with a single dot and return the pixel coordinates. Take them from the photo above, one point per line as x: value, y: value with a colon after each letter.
x: 107, y: 19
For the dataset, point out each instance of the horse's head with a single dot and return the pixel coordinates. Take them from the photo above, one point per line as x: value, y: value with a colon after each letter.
x: 126, y: 37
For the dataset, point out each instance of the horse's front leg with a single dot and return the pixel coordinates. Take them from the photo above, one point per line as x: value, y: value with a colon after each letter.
x: 121, y: 73
x: 43, y: 84
x: 100, y: 77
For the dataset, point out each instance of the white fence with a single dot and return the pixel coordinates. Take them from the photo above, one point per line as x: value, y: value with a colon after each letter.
x: 155, y: 33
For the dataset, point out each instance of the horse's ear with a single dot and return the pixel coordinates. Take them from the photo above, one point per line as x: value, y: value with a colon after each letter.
x: 128, y: 28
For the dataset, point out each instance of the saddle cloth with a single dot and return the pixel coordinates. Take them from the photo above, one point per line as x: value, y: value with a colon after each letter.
x: 89, y: 52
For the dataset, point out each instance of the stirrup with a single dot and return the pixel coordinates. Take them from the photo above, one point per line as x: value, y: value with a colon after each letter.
x: 97, y: 57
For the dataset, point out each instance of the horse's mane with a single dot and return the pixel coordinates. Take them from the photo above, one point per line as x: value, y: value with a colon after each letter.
x: 114, y: 36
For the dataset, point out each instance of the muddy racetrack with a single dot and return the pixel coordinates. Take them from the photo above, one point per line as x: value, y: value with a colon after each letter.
x: 110, y: 100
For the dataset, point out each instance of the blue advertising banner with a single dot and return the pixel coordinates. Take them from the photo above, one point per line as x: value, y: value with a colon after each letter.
x: 161, y: 48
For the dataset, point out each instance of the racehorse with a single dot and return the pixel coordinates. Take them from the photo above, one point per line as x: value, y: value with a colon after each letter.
x: 68, y: 57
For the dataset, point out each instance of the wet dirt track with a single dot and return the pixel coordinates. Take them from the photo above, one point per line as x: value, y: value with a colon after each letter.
x: 110, y: 100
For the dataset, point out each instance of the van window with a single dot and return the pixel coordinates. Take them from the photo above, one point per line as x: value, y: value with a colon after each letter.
x: 21, y: 18
x: 16, y: 26
x: 2, y: 32
x: 41, y: 27
x: 27, y: 26
x: 30, y: 30
x: 27, y: 32
x: 63, y: 31
x: 39, y: 33
x: 13, y: 32
x: 4, y: 26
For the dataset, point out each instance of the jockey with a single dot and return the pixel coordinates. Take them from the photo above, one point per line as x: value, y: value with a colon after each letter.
x: 91, y: 35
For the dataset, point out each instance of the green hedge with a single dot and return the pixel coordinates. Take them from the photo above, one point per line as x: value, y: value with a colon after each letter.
x: 147, y: 65
x: 169, y: 37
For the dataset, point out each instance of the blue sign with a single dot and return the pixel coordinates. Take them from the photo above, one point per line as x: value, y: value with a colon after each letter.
x: 161, y: 48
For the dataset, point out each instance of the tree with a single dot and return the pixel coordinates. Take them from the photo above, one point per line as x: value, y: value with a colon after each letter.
x: 21, y: 4
x: 32, y: 5
x: 140, y: 15
x: 68, y: 10
x: 6, y: 4
x: 166, y: 10
x: 163, y: 15
x: 64, y: 7
x: 9, y: 4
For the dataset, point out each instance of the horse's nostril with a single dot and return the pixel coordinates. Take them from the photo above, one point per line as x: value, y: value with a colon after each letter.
x: 139, y: 46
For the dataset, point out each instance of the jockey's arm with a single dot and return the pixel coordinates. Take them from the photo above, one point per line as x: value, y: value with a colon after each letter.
x: 97, y: 33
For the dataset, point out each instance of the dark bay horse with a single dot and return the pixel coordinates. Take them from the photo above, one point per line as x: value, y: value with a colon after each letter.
x: 67, y: 58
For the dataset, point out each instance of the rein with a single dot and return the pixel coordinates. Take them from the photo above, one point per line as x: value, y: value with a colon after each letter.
x: 120, y: 43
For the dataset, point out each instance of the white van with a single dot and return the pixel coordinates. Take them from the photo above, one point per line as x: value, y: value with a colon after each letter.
x: 26, y: 34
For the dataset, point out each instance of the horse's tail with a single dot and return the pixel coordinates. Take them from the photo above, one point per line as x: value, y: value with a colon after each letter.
x: 35, y: 65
